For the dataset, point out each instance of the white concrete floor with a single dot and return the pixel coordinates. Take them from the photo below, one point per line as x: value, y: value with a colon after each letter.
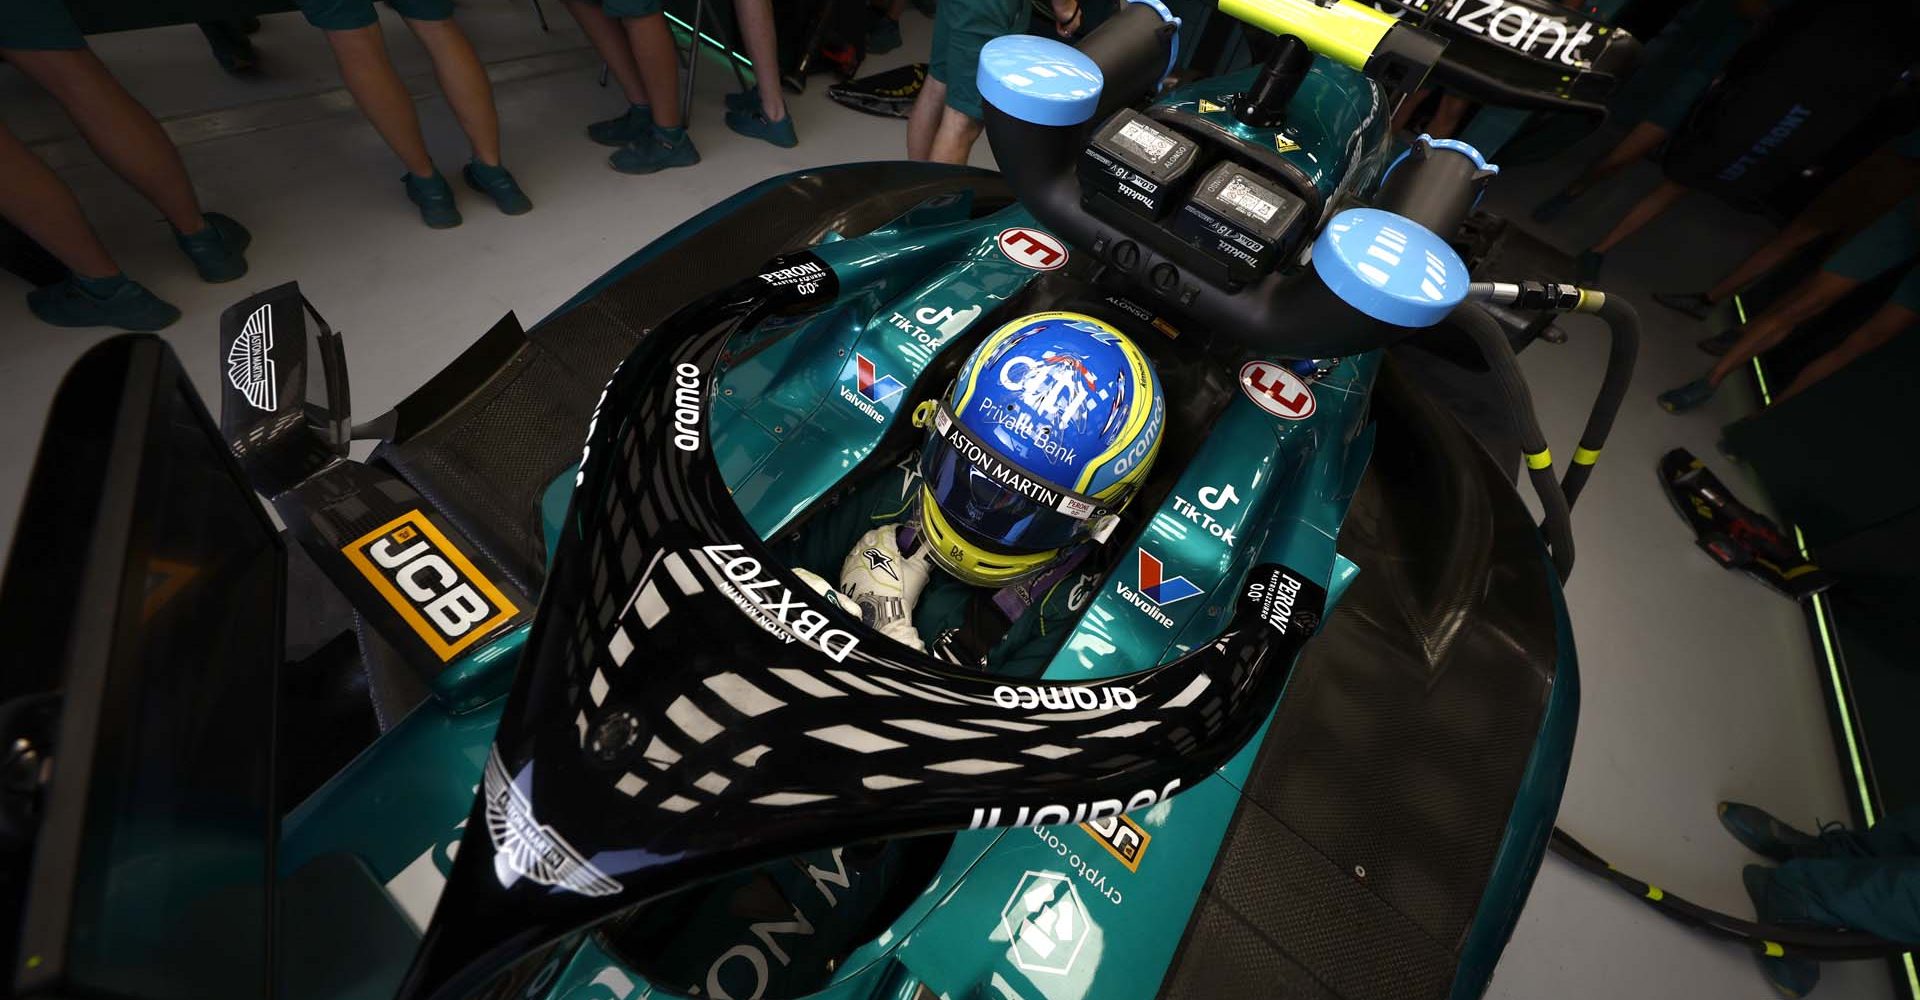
x: 1698, y: 684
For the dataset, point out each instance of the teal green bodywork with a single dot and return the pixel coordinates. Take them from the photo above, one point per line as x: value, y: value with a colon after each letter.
x: 1332, y: 138
x: 784, y: 435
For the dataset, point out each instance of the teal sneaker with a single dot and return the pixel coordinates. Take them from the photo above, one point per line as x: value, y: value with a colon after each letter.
x: 744, y: 100
x: 631, y: 125
x: 118, y: 301
x: 1695, y: 304
x: 883, y: 35
x: 1792, y: 978
x: 217, y: 248
x: 1687, y: 397
x: 435, y: 198
x: 657, y: 151
x: 1762, y: 833
x: 755, y: 125
x: 1588, y: 265
x: 498, y: 184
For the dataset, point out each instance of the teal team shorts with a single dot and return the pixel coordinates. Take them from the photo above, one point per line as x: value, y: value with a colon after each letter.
x: 1892, y: 241
x: 630, y: 8
x: 39, y: 25
x: 347, y: 15
x: 960, y: 29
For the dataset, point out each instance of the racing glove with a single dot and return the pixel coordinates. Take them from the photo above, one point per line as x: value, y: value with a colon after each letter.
x: 885, y: 584
x: 824, y: 589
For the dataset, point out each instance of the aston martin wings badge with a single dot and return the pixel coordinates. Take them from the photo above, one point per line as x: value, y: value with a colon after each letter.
x: 523, y: 847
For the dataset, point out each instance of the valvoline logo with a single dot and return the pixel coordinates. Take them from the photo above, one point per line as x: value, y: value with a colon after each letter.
x: 869, y: 388
x: 1159, y: 590
x: 878, y: 388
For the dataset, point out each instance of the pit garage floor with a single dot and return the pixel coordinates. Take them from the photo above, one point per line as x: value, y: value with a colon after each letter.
x: 1698, y: 684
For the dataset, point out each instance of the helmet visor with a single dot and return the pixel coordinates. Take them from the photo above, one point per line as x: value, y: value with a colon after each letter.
x: 995, y: 501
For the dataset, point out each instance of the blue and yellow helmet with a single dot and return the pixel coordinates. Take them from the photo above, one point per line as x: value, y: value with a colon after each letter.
x: 1048, y: 430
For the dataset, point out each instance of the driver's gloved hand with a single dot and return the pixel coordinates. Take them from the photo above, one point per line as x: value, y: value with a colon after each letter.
x: 885, y: 584
x: 824, y: 589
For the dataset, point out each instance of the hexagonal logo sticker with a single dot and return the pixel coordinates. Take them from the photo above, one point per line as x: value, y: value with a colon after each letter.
x: 1045, y: 923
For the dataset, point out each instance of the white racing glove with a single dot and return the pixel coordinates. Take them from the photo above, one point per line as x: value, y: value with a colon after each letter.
x: 824, y: 589
x: 885, y: 584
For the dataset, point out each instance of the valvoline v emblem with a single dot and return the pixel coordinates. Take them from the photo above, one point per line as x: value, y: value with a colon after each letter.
x: 872, y: 385
x: 1162, y: 591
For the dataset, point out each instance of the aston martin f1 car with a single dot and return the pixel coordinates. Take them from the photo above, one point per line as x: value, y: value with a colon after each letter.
x: 1307, y: 734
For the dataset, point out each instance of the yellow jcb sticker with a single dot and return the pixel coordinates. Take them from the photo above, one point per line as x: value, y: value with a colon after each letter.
x: 1122, y: 837
x: 430, y: 583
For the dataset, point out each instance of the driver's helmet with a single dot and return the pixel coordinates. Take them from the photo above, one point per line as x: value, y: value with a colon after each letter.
x: 1048, y: 430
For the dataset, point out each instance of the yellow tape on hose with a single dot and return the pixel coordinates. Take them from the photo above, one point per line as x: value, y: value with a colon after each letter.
x: 1586, y: 456
x: 1542, y: 459
x: 1773, y: 949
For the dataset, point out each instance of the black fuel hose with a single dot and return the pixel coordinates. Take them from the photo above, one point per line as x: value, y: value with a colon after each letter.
x: 1765, y: 939
x: 1557, y: 523
x: 1623, y: 330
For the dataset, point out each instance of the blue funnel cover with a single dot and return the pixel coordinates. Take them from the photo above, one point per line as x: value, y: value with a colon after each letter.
x: 1041, y: 81
x: 1389, y: 267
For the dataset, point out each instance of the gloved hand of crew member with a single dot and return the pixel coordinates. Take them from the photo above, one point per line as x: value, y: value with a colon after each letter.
x: 885, y: 584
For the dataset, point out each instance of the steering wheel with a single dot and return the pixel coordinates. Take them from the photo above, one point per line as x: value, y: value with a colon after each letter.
x: 1348, y: 300
x: 688, y: 707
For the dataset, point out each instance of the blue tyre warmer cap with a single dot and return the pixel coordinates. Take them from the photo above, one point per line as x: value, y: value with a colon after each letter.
x: 1041, y: 81
x: 1455, y: 145
x: 1389, y: 267
x: 1173, y: 50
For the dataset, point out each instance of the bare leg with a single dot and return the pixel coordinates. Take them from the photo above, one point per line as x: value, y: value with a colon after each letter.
x: 1892, y: 320
x: 39, y: 204
x: 659, y: 65
x: 1813, y: 297
x: 756, y: 32
x: 464, y: 80
x: 610, y: 40
x: 120, y: 129
x: 1647, y: 209
x: 924, y: 120
x: 376, y: 88
x: 953, y: 143
x: 1633, y: 147
x: 1408, y: 105
x: 1446, y: 120
x: 1771, y: 254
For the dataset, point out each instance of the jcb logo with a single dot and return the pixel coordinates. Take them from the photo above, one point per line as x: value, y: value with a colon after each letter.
x: 430, y: 583
x: 1122, y: 837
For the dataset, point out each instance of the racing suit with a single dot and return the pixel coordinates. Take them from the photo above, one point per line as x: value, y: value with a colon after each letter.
x: 782, y: 930
x: 1009, y: 633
